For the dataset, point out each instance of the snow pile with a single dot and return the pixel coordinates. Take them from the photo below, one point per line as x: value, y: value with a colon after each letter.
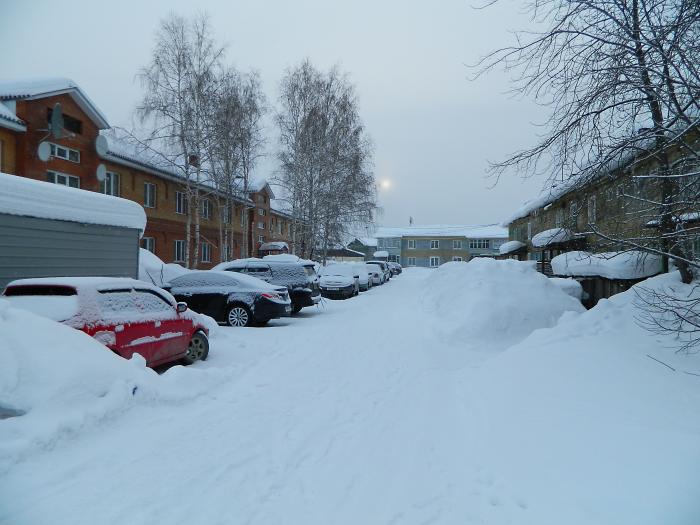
x: 587, y: 428
x: 552, y: 236
x: 153, y: 270
x: 492, y: 304
x: 510, y: 247
x: 33, y: 198
x: 569, y: 286
x: 62, y: 381
x: 611, y: 265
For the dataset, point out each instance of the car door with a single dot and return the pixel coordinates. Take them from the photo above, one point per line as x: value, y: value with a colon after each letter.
x: 134, y: 333
x: 172, y: 332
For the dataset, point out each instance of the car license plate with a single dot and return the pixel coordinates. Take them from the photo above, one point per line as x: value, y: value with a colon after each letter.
x: 332, y: 289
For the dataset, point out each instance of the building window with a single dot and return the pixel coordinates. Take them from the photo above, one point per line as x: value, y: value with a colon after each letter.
x: 529, y: 230
x: 457, y: 245
x: 243, y: 216
x: 479, y: 244
x: 279, y: 227
x: 457, y: 259
x: 434, y: 262
x: 179, y: 251
x: 261, y: 239
x: 205, y: 209
x: 61, y: 152
x: 206, y: 252
x: 180, y: 203
x: 380, y: 243
x: 110, y: 186
x: 149, y: 243
x: 261, y: 225
x: 62, y: 178
x: 411, y: 245
x: 149, y: 195
x: 261, y: 212
x: 411, y: 261
x: 434, y: 245
x: 591, y: 209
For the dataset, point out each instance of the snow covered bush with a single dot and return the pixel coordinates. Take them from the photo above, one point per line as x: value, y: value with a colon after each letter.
x: 490, y: 303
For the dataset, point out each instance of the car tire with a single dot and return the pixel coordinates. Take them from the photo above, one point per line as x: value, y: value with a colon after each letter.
x: 239, y: 315
x: 197, y: 349
x: 296, y: 308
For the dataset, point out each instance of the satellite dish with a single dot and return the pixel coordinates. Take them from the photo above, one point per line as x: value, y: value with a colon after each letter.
x: 44, y: 151
x: 101, y: 172
x: 101, y: 145
x: 57, y: 121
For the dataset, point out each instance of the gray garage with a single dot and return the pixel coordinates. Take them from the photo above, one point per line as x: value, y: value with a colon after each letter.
x: 48, y: 230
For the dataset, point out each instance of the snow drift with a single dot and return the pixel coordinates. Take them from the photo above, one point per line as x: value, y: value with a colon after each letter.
x: 492, y: 304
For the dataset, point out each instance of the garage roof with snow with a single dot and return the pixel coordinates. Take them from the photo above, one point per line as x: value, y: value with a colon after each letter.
x: 32, y: 198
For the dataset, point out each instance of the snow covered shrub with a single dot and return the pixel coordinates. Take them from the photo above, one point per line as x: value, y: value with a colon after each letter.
x: 492, y: 303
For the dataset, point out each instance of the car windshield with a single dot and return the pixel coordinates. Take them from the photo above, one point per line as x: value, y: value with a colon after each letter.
x: 338, y: 270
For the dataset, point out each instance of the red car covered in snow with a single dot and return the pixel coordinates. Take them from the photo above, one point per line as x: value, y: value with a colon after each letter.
x: 126, y: 315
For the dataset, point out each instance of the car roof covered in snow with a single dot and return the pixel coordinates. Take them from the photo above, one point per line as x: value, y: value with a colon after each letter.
x: 86, y: 283
x: 33, y: 198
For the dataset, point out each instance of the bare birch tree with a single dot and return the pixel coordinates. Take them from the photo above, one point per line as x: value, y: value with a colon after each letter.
x: 325, y: 157
x: 622, y: 83
x: 180, y: 86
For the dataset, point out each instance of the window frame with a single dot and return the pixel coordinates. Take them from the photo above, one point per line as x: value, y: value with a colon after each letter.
x: 54, y: 152
x: 146, y: 241
x: 409, y: 259
x: 181, y: 205
x: 456, y: 244
x: 146, y: 194
x: 434, y: 257
x: 411, y: 244
x: 457, y: 258
x: 592, y: 205
x: 176, y: 243
x: 436, y: 242
x: 110, y: 176
x: 67, y: 176
x: 206, y: 252
x: 205, y: 207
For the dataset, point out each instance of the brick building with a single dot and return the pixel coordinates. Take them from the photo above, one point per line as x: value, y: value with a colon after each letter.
x: 25, y: 113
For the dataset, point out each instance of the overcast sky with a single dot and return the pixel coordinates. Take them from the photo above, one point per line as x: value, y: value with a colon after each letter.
x: 434, y: 130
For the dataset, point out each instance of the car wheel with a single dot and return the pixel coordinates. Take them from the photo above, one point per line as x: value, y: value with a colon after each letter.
x: 198, y: 348
x: 239, y: 315
x: 296, y: 309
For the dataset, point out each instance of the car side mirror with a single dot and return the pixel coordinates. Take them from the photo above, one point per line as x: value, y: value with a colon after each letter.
x: 356, y: 276
x: 181, y: 308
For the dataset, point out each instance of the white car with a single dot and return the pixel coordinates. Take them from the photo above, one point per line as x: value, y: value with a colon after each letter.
x: 378, y: 276
x: 365, y: 273
x: 339, y: 280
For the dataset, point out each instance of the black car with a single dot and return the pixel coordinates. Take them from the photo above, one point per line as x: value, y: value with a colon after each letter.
x: 395, y: 268
x: 300, y: 281
x: 231, y: 298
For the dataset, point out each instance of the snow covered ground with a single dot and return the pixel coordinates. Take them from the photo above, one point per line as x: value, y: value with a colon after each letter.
x: 476, y: 393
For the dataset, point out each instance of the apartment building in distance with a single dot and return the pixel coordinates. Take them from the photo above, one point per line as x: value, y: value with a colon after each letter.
x: 431, y: 246
x: 87, y: 146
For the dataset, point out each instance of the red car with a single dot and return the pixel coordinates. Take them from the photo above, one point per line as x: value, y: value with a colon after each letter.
x: 126, y: 315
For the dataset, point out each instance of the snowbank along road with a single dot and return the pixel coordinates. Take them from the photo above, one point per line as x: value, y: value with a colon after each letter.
x: 374, y: 410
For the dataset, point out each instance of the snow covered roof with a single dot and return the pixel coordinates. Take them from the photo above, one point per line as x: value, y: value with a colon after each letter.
x: 8, y: 119
x: 30, y: 89
x: 485, y: 231
x: 256, y: 185
x: 121, y: 148
x: 367, y: 241
x: 32, y: 198
x: 611, y: 265
x: 552, y: 236
x: 510, y: 247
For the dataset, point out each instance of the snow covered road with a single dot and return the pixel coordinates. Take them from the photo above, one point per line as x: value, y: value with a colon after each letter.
x: 357, y: 412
